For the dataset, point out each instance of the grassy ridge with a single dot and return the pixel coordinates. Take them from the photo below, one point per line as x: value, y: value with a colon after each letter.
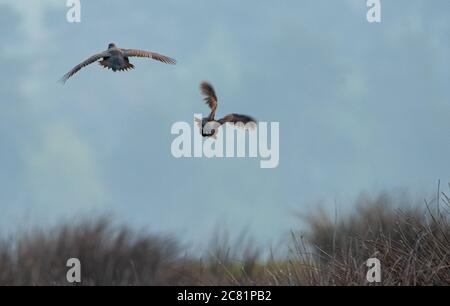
x: 412, y: 243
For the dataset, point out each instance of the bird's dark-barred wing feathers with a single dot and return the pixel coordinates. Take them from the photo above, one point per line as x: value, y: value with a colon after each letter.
x: 236, y: 118
x: 209, y: 95
x: 87, y: 62
x: 152, y: 55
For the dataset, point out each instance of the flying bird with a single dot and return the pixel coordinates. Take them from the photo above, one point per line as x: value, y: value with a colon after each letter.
x: 117, y: 59
x: 209, y: 125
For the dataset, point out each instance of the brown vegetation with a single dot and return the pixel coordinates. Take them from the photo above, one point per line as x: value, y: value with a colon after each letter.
x: 412, y: 243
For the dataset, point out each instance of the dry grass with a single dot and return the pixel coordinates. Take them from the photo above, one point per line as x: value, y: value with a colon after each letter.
x: 412, y: 242
x: 109, y: 255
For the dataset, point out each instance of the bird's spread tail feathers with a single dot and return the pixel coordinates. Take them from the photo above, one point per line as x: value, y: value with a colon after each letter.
x: 108, y: 65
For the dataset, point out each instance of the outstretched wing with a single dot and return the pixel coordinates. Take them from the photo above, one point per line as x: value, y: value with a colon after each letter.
x: 78, y: 67
x: 210, y: 98
x: 152, y: 55
x: 236, y: 118
x: 209, y: 95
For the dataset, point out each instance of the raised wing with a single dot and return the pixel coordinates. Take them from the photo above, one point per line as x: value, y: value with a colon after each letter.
x: 87, y: 62
x: 152, y: 55
x: 210, y: 97
x: 209, y: 94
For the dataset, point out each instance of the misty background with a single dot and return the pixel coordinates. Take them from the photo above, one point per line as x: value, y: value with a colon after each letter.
x: 362, y: 107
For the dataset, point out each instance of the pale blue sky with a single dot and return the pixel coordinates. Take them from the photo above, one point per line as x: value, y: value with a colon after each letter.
x: 362, y: 107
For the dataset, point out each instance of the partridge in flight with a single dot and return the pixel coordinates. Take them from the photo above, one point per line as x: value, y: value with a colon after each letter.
x: 209, y: 125
x: 117, y: 59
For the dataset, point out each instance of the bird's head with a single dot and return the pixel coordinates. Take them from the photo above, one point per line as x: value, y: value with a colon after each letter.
x: 209, y: 128
x: 111, y: 45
